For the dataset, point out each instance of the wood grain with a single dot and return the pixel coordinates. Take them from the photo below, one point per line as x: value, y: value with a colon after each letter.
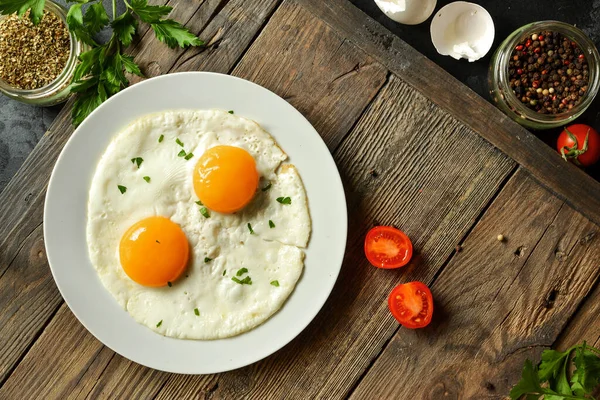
x: 563, y: 179
x: 436, y: 205
x: 497, y: 303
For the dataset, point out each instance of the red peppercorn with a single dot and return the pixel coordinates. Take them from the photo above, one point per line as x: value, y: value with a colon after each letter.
x: 519, y: 47
x: 544, y: 72
x: 554, y: 98
x: 535, y: 84
x: 537, y: 50
x: 528, y: 43
x: 581, y: 56
x: 567, y: 62
x: 541, y: 37
x: 573, y: 44
x: 520, y: 71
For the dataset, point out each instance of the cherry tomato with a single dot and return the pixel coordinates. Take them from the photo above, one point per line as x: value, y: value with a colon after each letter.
x: 388, y: 247
x: 411, y: 304
x: 580, y: 143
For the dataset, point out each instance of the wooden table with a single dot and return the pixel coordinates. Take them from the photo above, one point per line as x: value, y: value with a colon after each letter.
x: 416, y: 149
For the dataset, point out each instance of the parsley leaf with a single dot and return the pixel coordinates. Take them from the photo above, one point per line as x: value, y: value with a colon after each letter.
x: 159, y: 323
x: 179, y: 142
x: 21, y: 6
x: 182, y: 153
x: 551, y: 362
x: 122, y: 188
x: 267, y: 187
x: 137, y: 160
x: 95, y: 18
x: 161, y: 138
x: 241, y: 271
x: 246, y: 281
x: 199, y: 203
x: 173, y: 34
x: 587, y: 374
x: 197, y: 312
x: 204, y: 211
x: 86, y: 103
x: 224, y: 272
x: 207, y: 260
x: 149, y: 13
x: 124, y: 27
x: 275, y: 283
x: 77, y: 25
x: 230, y: 111
x: 130, y: 65
x: 529, y: 383
x: 250, y: 229
x: 147, y: 179
x: 189, y: 156
x: 271, y: 224
x: 284, y: 200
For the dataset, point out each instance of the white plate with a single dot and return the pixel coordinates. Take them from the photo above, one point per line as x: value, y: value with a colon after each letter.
x: 65, y: 222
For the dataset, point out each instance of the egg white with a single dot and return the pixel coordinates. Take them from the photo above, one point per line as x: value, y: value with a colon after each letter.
x: 270, y: 254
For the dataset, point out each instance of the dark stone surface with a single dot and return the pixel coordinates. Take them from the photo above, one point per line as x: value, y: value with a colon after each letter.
x: 21, y: 125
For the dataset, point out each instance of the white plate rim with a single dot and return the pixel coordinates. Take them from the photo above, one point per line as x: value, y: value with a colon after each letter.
x: 66, y: 291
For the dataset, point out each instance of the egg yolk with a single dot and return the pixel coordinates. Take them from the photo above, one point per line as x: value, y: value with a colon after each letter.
x: 154, y: 251
x: 225, y: 178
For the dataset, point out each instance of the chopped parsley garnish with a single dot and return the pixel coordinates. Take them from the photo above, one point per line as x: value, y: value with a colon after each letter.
x: 241, y: 271
x: 179, y: 142
x: 271, y: 224
x: 182, y: 153
x: 197, y: 312
x: 199, y: 203
x: 204, y: 212
x: 250, y: 229
x: 245, y: 281
x: 159, y: 323
x: 224, y: 272
x: 275, y: 283
x: 122, y: 189
x: 284, y: 200
x: 189, y: 156
x: 207, y: 260
x: 161, y: 138
x: 170, y: 284
x: 230, y: 111
x: 147, y: 179
x: 267, y: 187
x: 137, y: 160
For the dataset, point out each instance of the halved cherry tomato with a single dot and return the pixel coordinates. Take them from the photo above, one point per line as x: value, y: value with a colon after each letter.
x: 411, y: 304
x: 388, y: 247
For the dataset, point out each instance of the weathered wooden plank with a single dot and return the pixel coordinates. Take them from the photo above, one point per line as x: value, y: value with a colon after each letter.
x: 422, y: 181
x: 542, y: 161
x: 497, y: 303
x: 20, y: 223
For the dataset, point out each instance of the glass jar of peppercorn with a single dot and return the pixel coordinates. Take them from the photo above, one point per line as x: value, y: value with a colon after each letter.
x: 545, y: 74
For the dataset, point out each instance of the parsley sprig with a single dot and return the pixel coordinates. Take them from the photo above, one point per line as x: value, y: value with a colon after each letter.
x: 101, y: 70
x: 555, y: 369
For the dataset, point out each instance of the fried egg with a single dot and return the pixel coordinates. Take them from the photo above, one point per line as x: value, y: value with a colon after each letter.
x: 194, y: 224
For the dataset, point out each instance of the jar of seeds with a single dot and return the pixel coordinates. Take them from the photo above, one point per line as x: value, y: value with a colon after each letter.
x: 545, y: 74
x: 37, y: 62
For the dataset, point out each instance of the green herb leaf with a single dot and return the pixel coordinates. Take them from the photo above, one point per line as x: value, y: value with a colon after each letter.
x: 199, y: 203
x: 587, y: 374
x: 275, y: 283
x: 95, y: 18
x: 88, y: 63
x: 271, y: 224
x: 182, y: 153
x: 86, y: 103
x: 230, y: 111
x: 21, y: 6
x: 159, y: 323
x: 170, y: 284
x: 179, y: 142
x: 197, y: 312
x: 550, y: 365
x: 173, y: 34
x: 137, y: 160
x: 122, y: 189
x: 189, y: 156
x: 529, y: 383
x: 246, y: 281
x: 149, y: 13
x: 130, y: 66
x: 124, y: 27
x: 241, y: 271
x: 267, y: 187
x: 207, y: 260
x: 76, y: 25
x: 250, y: 229
x: 204, y: 211
x: 147, y: 179
x: 284, y: 200
x: 224, y: 272
x: 161, y: 138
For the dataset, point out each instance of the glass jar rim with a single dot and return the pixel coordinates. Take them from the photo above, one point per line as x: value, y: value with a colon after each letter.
x: 573, y: 33
x: 67, y: 71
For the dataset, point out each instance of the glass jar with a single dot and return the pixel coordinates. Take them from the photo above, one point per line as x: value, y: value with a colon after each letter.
x: 504, y: 97
x: 58, y: 91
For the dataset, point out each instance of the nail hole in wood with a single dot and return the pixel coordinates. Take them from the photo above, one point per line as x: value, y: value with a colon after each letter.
x: 520, y: 251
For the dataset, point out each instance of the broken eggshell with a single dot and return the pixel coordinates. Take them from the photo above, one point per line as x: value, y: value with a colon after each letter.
x: 408, y: 12
x: 462, y: 30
